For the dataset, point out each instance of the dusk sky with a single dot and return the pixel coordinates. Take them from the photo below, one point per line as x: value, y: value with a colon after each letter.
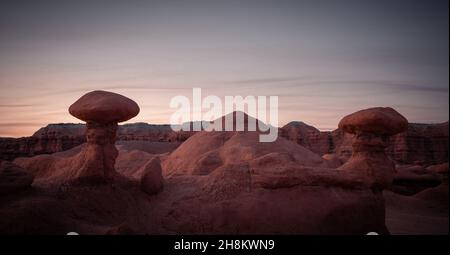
x: 324, y: 59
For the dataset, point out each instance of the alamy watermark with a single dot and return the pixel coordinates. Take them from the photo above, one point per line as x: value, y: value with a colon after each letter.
x: 256, y: 106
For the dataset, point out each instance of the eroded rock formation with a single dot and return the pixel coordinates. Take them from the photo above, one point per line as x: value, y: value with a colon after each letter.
x: 420, y: 143
x: 60, y: 137
x: 102, y: 111
x: 205, y: 151
x: 308, y: 137
x: 371, y: 129
x: 214, y: 183
x: 152, y: 180
x: 49, y: 139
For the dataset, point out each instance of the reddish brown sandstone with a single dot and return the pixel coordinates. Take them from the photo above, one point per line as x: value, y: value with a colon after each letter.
x: 152, y: 180
x: 102, y: 111
x: 371, y: 128
x: 13, y: 178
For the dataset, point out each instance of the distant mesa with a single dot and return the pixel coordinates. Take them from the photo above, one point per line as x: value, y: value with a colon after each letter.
x: 426, y: 143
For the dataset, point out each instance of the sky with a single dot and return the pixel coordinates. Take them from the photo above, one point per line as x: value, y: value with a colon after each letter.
x: 323, y: 59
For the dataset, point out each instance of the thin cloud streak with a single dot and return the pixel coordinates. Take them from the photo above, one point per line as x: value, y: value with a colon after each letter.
x: 17, y: 105
x: 304, y: 82
x: 266, y: 80
x: 22, y: 124
x: 383, y: 83
x: 85, y: 90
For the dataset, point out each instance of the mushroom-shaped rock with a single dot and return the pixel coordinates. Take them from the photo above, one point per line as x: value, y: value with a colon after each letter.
x: 378, y: 120
x: 104, y: 107
x: 13, y: 178
x: 102, y: 110
x: 371, y: 128
x: 152, y: 180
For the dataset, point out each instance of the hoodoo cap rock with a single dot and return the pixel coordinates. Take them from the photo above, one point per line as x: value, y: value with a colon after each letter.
x: 104, y: 107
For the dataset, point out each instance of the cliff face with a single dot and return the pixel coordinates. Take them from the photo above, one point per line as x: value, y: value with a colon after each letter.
x: 425, y: 143
x: 421, y: 143
x: 49, y: 139
x: 148, y: 132
x: 61, y: 137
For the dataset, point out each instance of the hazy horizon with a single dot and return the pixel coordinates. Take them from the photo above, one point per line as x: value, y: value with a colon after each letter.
x: 324, y: 59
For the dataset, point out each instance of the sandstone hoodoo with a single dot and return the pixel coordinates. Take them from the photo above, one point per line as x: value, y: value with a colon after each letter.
x: 101, y: 110
x: 372, y: 128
